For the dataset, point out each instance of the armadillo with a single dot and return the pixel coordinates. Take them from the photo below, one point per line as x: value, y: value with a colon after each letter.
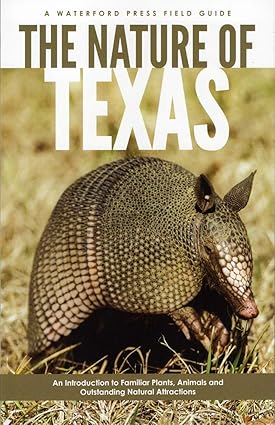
x: 140, y: 235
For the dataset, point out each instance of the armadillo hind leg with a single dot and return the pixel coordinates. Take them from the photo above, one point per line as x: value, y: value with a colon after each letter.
x: 188, y: 319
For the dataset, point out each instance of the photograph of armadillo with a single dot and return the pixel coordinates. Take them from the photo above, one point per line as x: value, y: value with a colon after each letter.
x: 140, y: 235
x: 133, y: 261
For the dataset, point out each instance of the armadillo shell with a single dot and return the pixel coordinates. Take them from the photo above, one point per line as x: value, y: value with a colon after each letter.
x: 121, y: 236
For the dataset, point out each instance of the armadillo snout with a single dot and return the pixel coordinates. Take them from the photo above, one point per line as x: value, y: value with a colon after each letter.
x: 249, y: 310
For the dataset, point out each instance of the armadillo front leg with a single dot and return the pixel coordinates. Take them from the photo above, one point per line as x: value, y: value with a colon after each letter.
x: 188, y: 319
x: 216, y: 331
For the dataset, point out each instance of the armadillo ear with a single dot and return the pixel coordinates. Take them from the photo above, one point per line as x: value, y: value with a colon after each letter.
x: 205, y: 194
x: 238, y: 196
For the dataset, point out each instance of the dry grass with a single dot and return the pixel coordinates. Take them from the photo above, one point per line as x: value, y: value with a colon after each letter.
x: 201, y: 412
x: 34, y: 175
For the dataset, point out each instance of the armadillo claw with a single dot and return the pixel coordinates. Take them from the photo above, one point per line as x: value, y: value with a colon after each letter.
x: 211, y: 334
x: 188, y: 319
x: 183, y: 328
x: 217, y: 333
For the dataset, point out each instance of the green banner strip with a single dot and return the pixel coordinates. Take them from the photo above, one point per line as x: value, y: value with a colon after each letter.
x: 138, y: 387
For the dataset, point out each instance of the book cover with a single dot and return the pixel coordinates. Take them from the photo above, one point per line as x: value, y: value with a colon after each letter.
x: 137, y: 212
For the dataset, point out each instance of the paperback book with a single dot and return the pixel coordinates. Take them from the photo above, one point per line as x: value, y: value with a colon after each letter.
x: 137, y: 206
